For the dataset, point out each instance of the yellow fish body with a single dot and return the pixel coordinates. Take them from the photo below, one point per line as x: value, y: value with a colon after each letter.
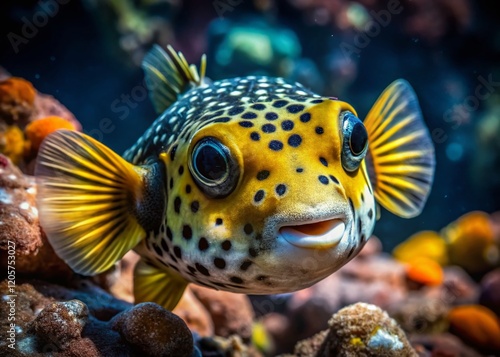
x: 251, y: 185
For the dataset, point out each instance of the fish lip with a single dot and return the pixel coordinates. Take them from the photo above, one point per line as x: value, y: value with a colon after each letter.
x: 326, y: 240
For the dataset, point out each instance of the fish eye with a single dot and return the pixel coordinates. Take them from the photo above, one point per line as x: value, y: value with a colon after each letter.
x: 213, y: 168
x: 355, y: 141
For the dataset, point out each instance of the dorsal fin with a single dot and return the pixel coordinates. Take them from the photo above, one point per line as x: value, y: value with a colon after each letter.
x: 401, y: 154
x: 168, y: 75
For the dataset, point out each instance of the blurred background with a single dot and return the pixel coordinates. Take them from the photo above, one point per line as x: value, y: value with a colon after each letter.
x: 87, y: 53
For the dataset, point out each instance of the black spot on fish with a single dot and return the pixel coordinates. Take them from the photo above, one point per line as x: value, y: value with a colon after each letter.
x: 177, y: 204
x: 351, y: 252
x: 363, y: 238
x: 351, y: 204
x: 249, y: 115
x: 280, y: 103
x: 245, y: 265
x: 258, y: 236
x: 271, y: 116
x: 222, y: 120
x: 334, y: 179
x: 259, y: 195
x: 295, y: 140
x: 287, y: 125
x: 178, y: 252
x: 275, y: 145
x: 202, y: 269
x: 370, y: 213
x: 188, y: 188
x: 235, y: 111
x: 164, y: 245
x: 280, y: 189
x: 323, y: 179
x: 157, y: 250
x: 246, y: 124
x: 203, y: 244
x: 304, y: 118
x: 218, y: 221
x: 226, y: 245
x: 255, y: 136
x: 181, y: 170
x: 187, y: 232
x: 169, y: 233
x: 317, y: 101
x: 191, y: 269
x: 323, y: 161
x: 295, y: 108
x: 171, y: 183
x: 268, y: 128
x: 319, y: 130
x: 359, y: 225
x: 236, y: 280
x: 220, y: 263
x: 362, y: 197
x: 253, y: 252
x: 172, y: 152
x: 262, y: 175
x: 299, y: 169
x: 258, y: 106
x: 195, y: 206
x: 248, y: 228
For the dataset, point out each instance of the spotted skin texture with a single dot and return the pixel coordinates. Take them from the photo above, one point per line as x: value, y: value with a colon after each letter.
x: 287, y: 144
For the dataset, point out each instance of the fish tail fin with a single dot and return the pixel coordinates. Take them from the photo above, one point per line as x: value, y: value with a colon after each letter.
x: 89, y: 201
x: 168, y: 75
x: 400, y: 157
x: 162, y: 286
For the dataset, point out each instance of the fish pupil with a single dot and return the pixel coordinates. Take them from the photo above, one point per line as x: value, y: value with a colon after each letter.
x: 359, y: 139
x: 210, y: 163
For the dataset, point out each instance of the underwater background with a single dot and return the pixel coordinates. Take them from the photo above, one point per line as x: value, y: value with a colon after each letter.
x: 426, y: 286
x: 88, y: 55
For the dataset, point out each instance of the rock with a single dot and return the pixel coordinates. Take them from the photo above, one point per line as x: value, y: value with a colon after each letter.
x: 154, y: 331
x: 358, y: 330
x: 420, y: 314
x: 221, y: 346
x: 47, y: 106
x: 444, y: 344
x: 490, y: 291
x: 458, y: 288
x: 194, y: 314
x: 19, y: 226
x: 476, y: 325
x: 61, y: 322
x: 231, y: 313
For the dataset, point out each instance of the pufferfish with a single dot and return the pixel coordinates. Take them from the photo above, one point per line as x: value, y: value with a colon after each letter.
x: 251, y: 185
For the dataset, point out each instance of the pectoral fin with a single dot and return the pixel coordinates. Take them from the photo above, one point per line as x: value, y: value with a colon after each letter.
x: 164, y: 287
x: 86, y: 193
x: 401, y: 153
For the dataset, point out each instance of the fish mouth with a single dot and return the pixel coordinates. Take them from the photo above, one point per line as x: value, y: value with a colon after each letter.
x: 322, y: 234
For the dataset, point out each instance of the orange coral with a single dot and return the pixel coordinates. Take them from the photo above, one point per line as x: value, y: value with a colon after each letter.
x: 37, y: 131
x: 427, y: 244
x: 425, y: 271
x: 17, y: 90
x: 471, y: 243
x: 12, y: 143
x: 477, y: 325
x: 17, y: 98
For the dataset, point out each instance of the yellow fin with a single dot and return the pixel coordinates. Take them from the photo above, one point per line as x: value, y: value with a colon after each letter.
x: 164, y: 287
x: 168, y: 75
x: 86, y: 195
x: 401, y: 153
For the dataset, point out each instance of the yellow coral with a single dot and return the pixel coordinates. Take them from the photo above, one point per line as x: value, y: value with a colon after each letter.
x: 37, y: 130
x: 12, y: 143
x: 471, y: 243
x: 427, y: 244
